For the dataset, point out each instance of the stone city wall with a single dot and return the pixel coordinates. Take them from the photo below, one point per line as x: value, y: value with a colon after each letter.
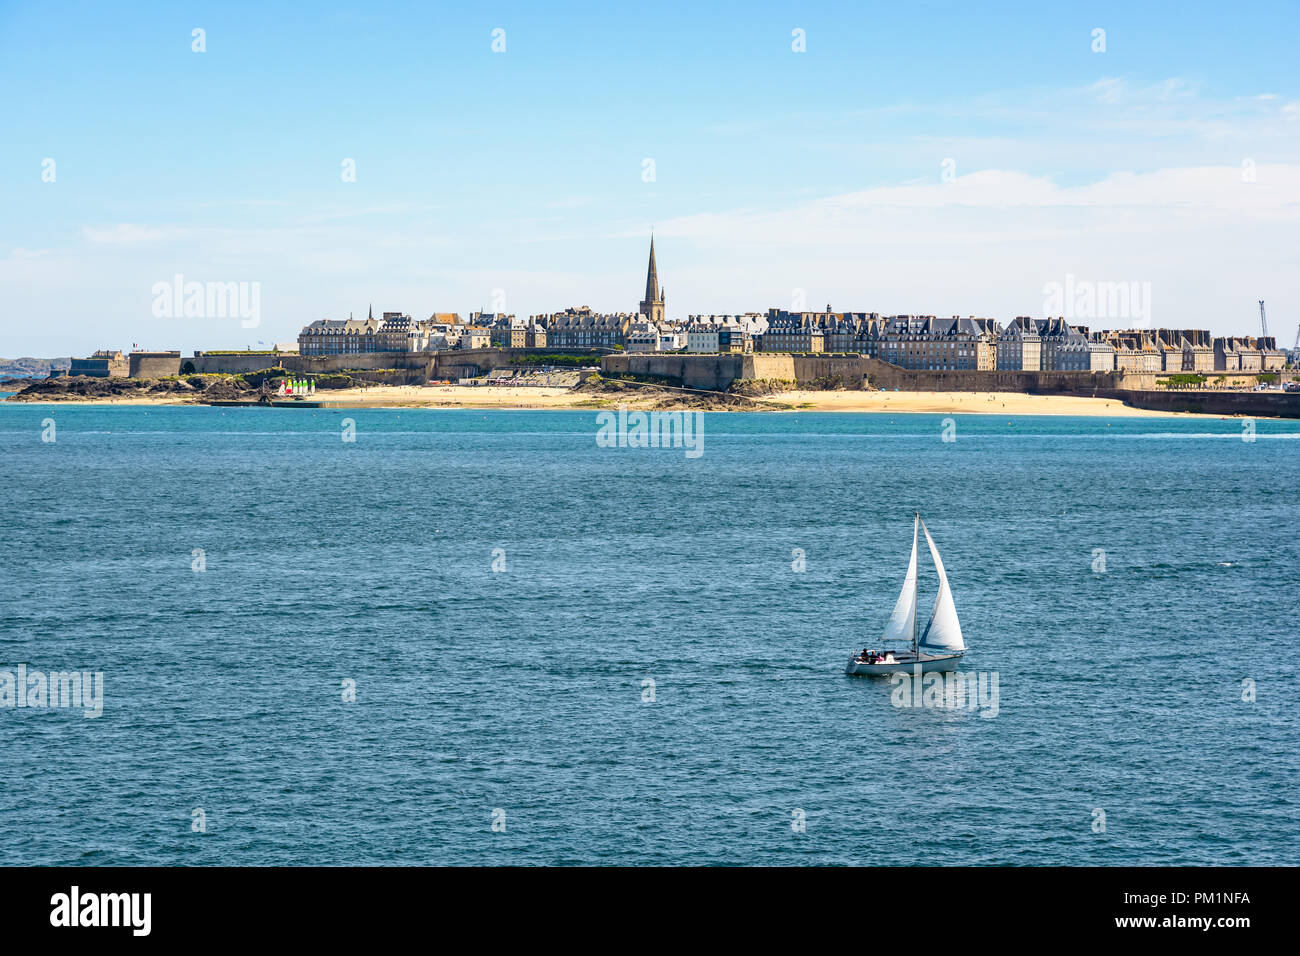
x: 850, y: 370
x: 154, y: 364
x: 1261, y: 404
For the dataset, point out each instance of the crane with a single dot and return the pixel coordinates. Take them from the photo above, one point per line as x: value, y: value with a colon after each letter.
x: 1263, y: 322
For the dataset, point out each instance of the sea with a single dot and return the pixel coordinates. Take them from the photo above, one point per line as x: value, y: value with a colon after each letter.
x: 466, y: 637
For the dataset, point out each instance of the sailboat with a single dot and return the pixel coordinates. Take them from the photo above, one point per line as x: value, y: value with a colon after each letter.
x: 936, y: 648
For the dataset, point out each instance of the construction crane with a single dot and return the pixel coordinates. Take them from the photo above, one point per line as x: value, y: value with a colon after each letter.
x: 1263, y: 322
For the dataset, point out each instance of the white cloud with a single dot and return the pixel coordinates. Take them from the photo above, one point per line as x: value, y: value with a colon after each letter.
x: 1162, y: 200
x: 1208, y: 243
x: 1109, y: 89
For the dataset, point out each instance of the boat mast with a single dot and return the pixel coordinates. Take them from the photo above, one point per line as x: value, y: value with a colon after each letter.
x: 914, y: 648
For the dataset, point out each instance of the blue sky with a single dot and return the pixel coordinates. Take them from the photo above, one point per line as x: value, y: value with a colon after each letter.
x: 516, y: 178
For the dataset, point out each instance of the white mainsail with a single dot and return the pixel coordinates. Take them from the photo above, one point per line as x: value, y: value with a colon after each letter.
x: 902, y: 623
x: 943, y: 633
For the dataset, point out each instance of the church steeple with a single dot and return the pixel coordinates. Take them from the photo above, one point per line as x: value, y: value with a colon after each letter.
x: 652, y: 307
x: 652, y: 275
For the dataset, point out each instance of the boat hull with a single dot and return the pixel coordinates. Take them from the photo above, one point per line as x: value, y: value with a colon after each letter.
x: 905, y: 664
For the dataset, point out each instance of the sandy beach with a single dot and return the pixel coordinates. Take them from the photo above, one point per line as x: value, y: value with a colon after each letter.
x: 991, y: 403
x: 454, y: 396
x: 972, y: 403
x: 537, y: 397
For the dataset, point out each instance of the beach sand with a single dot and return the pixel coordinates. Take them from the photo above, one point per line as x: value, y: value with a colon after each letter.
x: 486, y: 396
x: 453, y: 396
x: 494, y: 396
x: 972, y: 403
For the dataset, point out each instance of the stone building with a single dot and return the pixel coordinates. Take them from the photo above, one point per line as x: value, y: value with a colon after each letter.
x: 733, y: 341
x: 643, y: 336
x: 1019, y: 347
x: 510, y: 332
x: 1245, y: 353
x: 1227, y: 354
x: 581, y: 328
x: 701, y: 337
x: 1051, y: 345
x: 1170, y: 349
x: 859, y: 332
x: 1271, y: 358
x: 1135, y: 350
x: 672, y: 337
x: 793, y: 332
x: 395, y: 332
x: 723, y: 333
x: 506, y: 331
x: 338, y: 337
x: 1198, y: 350
x: 1083, y: 354
x: 105, y: 363
x: 926, y: 342
x: 1068, y: 348
x: 398, y: 333
x: 1185, y: 350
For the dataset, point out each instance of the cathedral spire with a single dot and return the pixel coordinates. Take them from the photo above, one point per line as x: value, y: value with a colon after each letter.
x: 653, y: 305
x: 652, y: 275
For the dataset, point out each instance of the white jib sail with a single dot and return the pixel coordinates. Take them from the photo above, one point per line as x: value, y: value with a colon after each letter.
x: 943, y: 633
x: 903, y: 621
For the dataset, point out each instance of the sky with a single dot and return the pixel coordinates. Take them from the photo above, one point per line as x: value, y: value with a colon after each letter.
x: 922, y: 158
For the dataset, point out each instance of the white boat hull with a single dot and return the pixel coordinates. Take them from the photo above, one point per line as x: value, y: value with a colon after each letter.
x: 905, y: 664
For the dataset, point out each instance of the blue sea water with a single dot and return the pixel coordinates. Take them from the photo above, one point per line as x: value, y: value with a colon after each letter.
x: 521, y: 692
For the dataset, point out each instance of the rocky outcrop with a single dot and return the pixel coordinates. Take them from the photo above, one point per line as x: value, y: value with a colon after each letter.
x: 82, y: 388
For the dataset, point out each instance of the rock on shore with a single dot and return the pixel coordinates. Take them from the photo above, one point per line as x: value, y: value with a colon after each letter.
x: 82, y: 388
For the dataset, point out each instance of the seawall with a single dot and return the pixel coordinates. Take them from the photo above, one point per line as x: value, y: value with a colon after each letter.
x: 850, y: 370
x: 1262, y: 404
x: 708, y: 372
x: 853, y: 371
x: 419, y: 366
x: 715, y: 372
